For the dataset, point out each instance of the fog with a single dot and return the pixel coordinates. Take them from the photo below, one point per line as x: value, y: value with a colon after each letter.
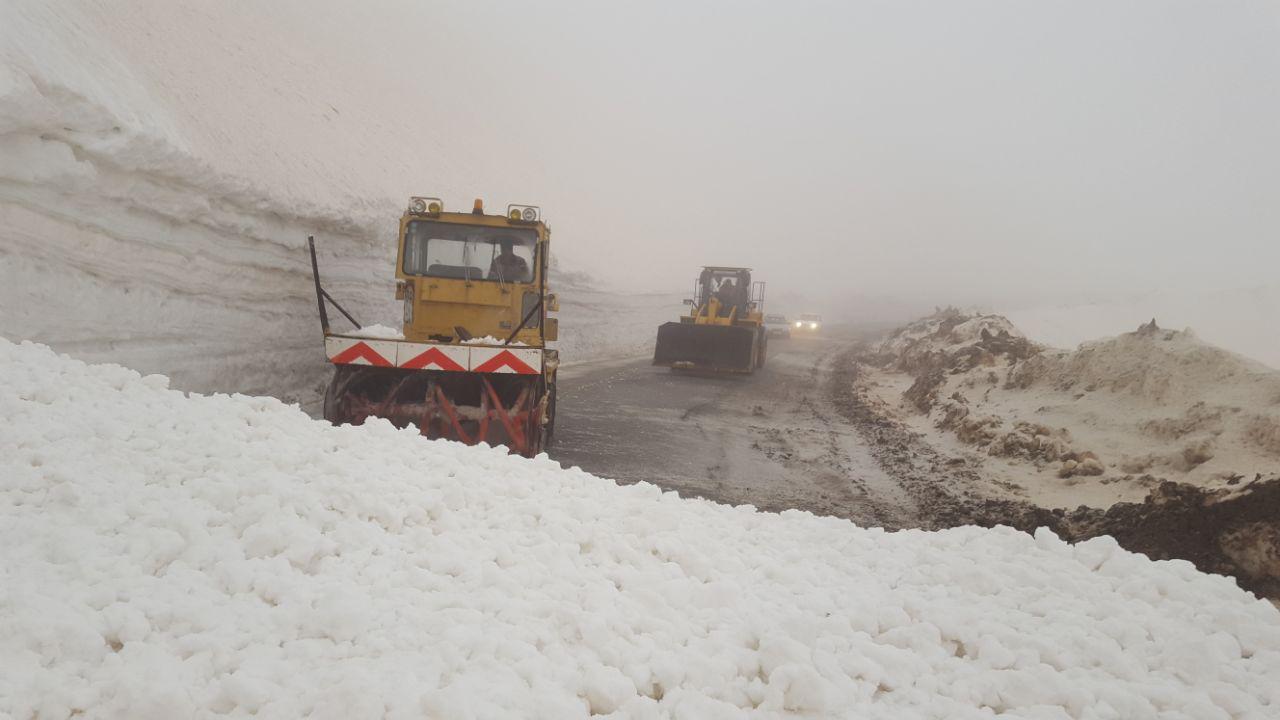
x: 904, y: 152
x: 862, y: 157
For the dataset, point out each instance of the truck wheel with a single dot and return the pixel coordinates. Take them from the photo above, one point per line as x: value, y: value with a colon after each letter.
x: 549, y: 430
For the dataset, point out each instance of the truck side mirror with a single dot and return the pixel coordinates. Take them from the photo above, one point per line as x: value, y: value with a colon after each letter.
x: 553, y: 303
x: 687, y: 301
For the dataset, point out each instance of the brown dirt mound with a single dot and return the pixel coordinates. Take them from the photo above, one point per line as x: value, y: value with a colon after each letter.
x: 1229, y: 532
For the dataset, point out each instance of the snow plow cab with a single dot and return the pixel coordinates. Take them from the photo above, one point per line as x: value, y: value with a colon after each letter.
x: 723, y: 332
x: 471, y: 363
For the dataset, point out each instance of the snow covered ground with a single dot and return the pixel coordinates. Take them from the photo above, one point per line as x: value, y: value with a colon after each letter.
x: 169, y: 555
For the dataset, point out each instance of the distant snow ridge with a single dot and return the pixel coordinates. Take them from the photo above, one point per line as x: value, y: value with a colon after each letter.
x: 165, y: 555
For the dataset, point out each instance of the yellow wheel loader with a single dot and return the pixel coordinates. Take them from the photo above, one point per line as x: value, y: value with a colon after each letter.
x: 472, y: 364
x: 723, y: 332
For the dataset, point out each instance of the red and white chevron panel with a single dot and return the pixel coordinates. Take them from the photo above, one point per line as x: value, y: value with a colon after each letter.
x: 344, y: 350
x: 523, y: 361
x: 357, y: 351
x: 426, y: 356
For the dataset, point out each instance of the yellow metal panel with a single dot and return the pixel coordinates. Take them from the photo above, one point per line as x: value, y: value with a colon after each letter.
x: 481, y: 307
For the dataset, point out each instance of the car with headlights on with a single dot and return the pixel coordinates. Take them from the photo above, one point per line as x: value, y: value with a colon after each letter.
x: 808, y: 324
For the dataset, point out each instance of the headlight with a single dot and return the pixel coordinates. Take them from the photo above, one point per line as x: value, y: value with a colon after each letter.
x: 418, y: 205
x: 799, y: 324
x: 523, y: 213
x: 813, y: 326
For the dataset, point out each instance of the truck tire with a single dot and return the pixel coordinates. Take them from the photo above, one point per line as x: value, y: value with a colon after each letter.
x: 549, y: 430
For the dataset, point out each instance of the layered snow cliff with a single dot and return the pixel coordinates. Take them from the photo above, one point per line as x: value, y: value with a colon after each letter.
x: 162, y: 163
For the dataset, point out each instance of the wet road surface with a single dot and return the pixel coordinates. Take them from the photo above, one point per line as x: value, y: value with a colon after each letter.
x: 772, y: 439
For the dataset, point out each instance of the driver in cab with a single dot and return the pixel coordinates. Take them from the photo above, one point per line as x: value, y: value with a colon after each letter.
x: 508, y: 266
x: 728, y: 295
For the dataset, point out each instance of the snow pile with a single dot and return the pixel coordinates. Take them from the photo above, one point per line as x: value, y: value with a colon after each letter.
x: 1127, y: 411
x: 949, y: 336
x: 166, y: 555
x: 1240, y: 320
x: 1154, y: 364
x: 376, y: 332
x: 491, y: 340
x: 1198, y: 410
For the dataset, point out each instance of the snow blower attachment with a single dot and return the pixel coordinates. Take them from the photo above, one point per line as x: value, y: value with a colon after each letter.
x: 724, y: 332
x: 472, y: 363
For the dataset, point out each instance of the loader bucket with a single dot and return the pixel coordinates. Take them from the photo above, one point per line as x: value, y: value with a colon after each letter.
x: 711, y: 348
x: 497, y: 409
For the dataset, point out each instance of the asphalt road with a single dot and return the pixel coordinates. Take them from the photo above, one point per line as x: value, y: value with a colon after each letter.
x: 772, y: 439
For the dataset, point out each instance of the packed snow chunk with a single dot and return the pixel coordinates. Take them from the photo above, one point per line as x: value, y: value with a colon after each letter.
x: 376, y: 332
x: 491, y: 340
x: 170, y: 555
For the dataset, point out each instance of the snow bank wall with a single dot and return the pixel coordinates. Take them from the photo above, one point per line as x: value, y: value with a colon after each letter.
x: 165, y: 555
x: 162, y: 163
x: 597, y: 324
x: 119, y: 239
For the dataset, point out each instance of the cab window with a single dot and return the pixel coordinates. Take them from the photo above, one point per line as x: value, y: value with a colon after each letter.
x: 468, y: 252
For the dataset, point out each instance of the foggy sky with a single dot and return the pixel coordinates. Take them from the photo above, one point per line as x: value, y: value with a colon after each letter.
x: 970, y: 152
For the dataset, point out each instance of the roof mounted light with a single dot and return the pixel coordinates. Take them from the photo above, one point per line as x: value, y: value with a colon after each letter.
x: 524, y: 213
x: 478, y: 208
x: 429, y: 205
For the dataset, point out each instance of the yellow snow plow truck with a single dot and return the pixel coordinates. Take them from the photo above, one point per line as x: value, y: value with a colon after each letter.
x: 723, y: 332
x: 471, y: 363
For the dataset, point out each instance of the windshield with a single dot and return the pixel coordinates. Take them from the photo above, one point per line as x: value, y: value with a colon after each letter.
x: 729, y: 286
x: 469, y: 252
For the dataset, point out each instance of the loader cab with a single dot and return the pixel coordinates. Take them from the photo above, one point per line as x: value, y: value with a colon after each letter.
x: 463, y: 276
x: 732, y: 287
x: 723, y: 332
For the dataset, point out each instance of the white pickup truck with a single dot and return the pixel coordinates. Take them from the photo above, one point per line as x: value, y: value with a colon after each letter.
x: 777, y: 326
